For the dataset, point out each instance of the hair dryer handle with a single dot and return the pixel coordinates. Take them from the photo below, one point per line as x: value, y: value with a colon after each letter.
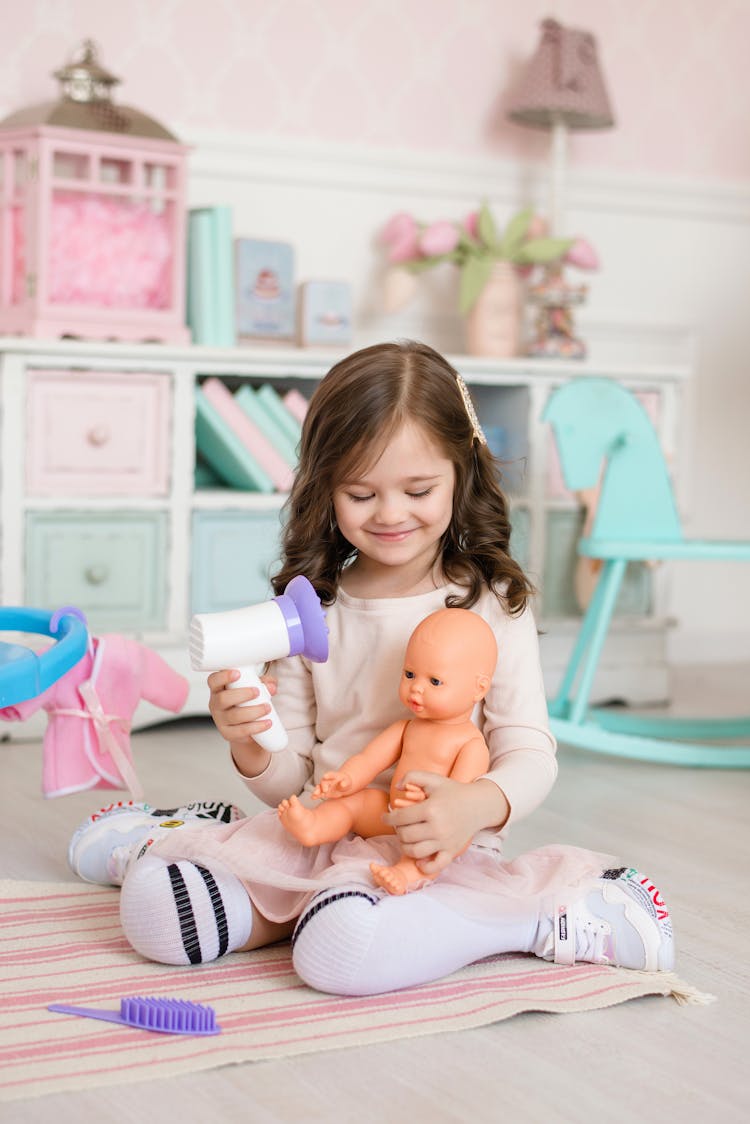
x: 275, y: 738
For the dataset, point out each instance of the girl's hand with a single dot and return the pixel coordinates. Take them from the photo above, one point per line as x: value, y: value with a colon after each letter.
x: 434, y: 831
x: 332, y: 785
x: 238, y: 724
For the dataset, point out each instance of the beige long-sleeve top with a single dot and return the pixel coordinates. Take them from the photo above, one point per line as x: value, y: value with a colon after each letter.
x: 333, y: 710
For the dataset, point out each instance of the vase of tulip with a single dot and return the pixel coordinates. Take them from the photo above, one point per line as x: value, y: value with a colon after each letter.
x: 493, y: 323
x: 493, y: 265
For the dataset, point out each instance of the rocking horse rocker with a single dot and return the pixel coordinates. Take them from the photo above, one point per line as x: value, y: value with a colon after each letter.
x: 596, y: 420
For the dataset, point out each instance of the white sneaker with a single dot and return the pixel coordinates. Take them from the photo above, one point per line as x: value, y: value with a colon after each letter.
x: 102, y: 846
x: 622, y: 921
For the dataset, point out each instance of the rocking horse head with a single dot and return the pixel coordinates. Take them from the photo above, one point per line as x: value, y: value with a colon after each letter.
x: 604, y: 433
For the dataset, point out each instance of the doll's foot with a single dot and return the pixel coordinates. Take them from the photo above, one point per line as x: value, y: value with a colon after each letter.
x: 298, y: 820
x: 400, y: 878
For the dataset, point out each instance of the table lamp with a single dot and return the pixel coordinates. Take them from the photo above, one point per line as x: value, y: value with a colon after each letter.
x: 561, y: 88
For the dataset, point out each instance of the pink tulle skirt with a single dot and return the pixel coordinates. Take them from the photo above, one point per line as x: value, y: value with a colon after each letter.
x: 281, y: 875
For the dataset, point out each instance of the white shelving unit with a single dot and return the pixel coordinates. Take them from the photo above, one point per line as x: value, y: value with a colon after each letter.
x: 36, y: 554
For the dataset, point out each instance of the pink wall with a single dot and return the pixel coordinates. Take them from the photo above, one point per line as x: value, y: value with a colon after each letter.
x: 415, y: 74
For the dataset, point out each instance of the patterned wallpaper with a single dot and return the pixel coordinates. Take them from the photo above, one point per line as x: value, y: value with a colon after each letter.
x: 406, y: 74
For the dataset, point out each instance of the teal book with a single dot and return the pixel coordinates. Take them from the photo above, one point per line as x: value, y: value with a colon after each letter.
x: 224, y: 276
x: 200, y: 285
x: 224, y: 451
x: 274, y: 404
x: 210, y: 288
x: 249, y: 401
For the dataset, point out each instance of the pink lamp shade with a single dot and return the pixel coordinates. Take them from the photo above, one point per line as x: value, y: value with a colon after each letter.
x: 562, y: 83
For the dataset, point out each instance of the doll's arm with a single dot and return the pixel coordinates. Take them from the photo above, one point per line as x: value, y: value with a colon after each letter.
x: 361, y: 769
x: 472, y: 761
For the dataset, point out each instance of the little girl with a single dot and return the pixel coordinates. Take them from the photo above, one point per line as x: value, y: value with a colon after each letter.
x: 396, y: 511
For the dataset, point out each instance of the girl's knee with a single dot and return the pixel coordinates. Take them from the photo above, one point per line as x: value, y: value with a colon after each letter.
x: 182, y: 912
x: 332, y: 938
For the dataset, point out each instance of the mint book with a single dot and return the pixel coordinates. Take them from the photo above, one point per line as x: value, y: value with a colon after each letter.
x: 210, y: 290
x: 256, y: 441
x: 224, y: 452
x: 275, y: 406
x: 249, y: 400
x: 200, y: 300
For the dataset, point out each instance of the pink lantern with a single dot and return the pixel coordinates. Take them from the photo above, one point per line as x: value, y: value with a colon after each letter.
x: 92, y: 216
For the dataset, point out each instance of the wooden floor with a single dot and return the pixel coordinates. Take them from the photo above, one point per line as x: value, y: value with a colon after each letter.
x: 645, y: 1061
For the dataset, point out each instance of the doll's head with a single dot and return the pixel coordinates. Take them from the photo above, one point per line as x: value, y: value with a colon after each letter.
x: 448, y: 666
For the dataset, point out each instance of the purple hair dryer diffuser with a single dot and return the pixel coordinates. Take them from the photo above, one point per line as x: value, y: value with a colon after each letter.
x: 291, y: 624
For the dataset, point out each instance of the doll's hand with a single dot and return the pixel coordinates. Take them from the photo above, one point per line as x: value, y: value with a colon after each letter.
x: 437, y: 829
x: 238, y: 724
x: 332, y: 785
x: 410, y: 794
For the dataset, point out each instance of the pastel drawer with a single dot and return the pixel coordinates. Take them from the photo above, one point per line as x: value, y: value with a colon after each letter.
x: 233, y: 555
x: 112, y: 565
x: 97, y: 433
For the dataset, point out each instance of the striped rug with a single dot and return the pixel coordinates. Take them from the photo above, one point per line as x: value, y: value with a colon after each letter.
x: 62, y: 943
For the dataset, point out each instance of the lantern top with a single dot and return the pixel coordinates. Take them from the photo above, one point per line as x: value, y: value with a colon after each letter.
x: 86, y: 102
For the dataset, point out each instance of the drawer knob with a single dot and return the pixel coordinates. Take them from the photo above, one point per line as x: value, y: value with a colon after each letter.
x: 96, y: 575
x: 98, y: 435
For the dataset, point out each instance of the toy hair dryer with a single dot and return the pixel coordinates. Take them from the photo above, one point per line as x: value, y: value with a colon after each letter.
x: 291, y: 624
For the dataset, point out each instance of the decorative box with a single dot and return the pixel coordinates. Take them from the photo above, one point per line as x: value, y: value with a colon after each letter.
x: 325, y: 313
x: 265, y: 289
x: 92, y: 217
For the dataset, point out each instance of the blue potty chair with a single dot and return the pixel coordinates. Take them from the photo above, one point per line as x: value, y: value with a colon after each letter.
x: 24, y: 673
x: 603, y: 432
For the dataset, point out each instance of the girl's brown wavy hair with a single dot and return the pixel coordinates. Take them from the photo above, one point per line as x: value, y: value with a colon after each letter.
x: 353, y: 413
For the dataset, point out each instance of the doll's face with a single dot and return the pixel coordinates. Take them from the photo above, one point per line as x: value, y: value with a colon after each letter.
x: 438, y: 681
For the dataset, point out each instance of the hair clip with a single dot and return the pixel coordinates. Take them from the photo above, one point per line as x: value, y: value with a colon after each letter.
x: 470, y: 411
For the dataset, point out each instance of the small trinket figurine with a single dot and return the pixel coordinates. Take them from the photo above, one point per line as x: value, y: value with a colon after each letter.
x: 555, y: 336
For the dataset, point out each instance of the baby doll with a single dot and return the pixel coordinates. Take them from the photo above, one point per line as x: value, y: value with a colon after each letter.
x: 448, y: 667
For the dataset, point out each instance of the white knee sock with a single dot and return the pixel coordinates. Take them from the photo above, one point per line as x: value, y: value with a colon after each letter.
x: 183, y: 913
x: 352, y: 941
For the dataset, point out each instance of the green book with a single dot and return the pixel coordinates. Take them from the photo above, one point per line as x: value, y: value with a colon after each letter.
x: 251, y: 403
x: 200, y: 284
x: 274, y: 404
x: 223, y: 253
x: 224, y: 452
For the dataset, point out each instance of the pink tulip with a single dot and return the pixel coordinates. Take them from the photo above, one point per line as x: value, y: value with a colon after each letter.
x: 401, y: 234
x: 471, y: 225
x: 439, y: 238
x: 537, y: 228
x: 582, y: 254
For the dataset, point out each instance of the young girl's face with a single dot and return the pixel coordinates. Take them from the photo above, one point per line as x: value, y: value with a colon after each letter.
x: 396, y: 511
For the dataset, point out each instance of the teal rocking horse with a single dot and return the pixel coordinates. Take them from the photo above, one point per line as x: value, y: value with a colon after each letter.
x: 604, y: 435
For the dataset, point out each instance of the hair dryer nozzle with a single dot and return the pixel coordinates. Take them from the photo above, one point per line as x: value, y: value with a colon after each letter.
x: 305, y: 620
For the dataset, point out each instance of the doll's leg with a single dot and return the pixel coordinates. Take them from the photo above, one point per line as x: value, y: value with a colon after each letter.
x: 353, y: 941
x: 399, y: 878
x: 361, y: 812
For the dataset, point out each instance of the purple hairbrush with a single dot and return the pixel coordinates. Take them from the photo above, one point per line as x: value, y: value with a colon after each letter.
x: 168, y: 1016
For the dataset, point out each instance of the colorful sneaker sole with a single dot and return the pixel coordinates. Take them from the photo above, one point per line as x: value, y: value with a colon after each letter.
x: 642, y: 935
x: 124, y: 824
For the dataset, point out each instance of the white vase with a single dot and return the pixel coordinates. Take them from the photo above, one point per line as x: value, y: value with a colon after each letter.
x: 493, y: 324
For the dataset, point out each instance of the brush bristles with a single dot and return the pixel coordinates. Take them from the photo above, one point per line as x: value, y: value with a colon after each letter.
x: 173, y: 1016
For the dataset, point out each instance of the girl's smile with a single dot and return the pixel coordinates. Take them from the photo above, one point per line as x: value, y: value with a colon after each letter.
x: 396, y: 512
